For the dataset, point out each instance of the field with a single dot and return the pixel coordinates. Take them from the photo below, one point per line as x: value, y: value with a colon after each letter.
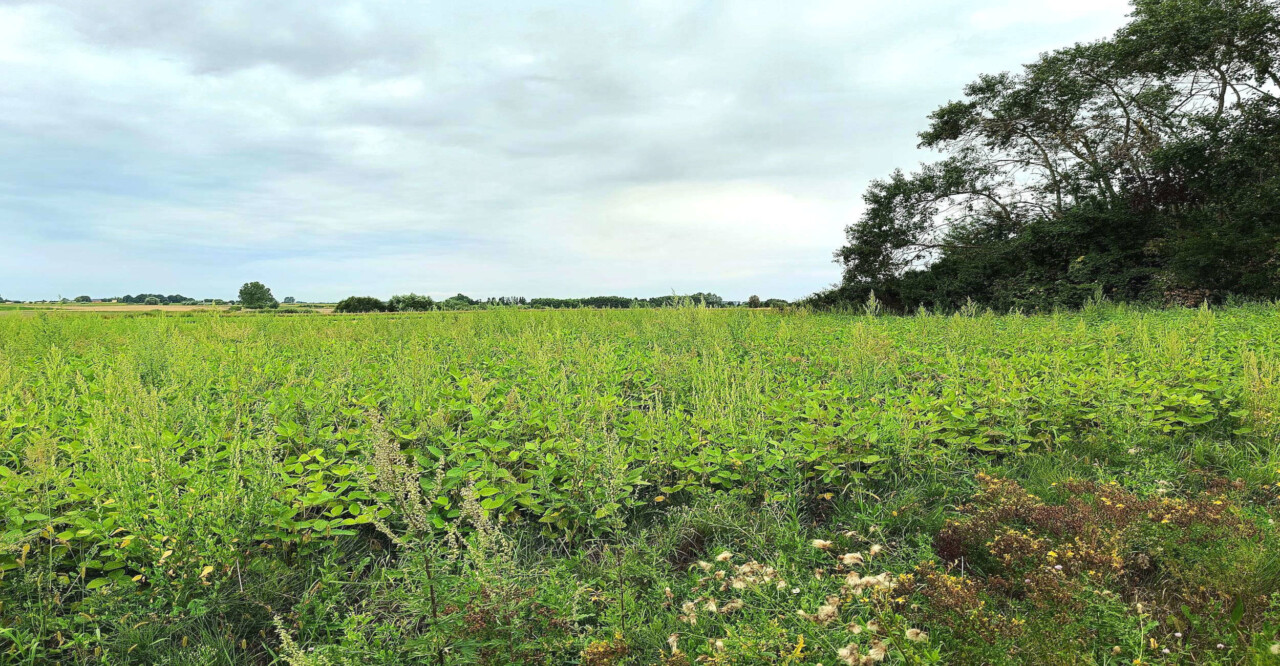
x: 670, y: 486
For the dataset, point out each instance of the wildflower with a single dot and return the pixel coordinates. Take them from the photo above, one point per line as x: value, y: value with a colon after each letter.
x: 705, y: 566
x: 875, y: 550
x: 1221, y: 646
x: 851, y: 559
x: 711, y: 606
x: 673, y: 641
x: 1165, y: 651
x: 917, y: 635
x: 1057, y: 567
x: 660, y: 498
x: 873, y: 626
x: 1177, y: 634
x: 718, y: 645
x: 855, y: 628
x: 667, y: 593
x: 795, y: 590
x: 724, y: 557
x: 821, y: 544
x: 849, y: 654
x: 854, y: 579
x: 732, y: 606
x: 1115, y: 650
x: 877, y: 652
x: 1275, y: 648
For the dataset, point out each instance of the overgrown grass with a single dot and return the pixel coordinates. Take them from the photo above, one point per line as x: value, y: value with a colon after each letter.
x: 640, y: 487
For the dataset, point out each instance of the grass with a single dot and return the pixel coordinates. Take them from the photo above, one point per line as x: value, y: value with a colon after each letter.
x: 633, y: 487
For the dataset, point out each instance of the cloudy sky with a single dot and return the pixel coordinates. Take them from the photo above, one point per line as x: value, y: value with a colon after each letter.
x: 559, y: 148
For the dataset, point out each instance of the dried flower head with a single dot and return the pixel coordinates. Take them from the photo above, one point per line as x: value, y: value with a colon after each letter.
x: 917, y: 635
x: 849, y: 654
x: 821, y: 544
x: 724, y: 557
x: 851, y: 559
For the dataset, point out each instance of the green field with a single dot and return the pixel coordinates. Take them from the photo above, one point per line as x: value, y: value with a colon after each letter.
x: 669, y: 486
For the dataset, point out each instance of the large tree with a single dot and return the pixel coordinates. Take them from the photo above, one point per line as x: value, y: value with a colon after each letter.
x: 256, y: 296
x: 1141, y: 166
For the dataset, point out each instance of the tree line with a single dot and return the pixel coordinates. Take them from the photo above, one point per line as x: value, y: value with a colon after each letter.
x: 1141, y: 167
x: 416, y: 303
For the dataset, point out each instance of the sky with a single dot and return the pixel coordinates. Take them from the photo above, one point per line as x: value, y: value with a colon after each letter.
x: 557, y: 148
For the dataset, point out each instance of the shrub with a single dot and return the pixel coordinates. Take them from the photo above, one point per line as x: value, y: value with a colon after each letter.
x: 358, y: 304
x: 411, y: 303
x: 152, y: 301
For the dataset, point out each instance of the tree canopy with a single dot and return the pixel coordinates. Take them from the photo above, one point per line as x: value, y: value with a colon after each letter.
x: 1140, y: 167
x: 256, y: 296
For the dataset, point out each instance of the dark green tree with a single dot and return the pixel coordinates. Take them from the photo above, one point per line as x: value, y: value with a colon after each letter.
x: 360, y: 304
x: 411, y: 303
x: 256, y: 296
x: 1141, y: 166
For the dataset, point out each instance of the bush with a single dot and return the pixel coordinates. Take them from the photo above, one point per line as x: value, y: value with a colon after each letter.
x: 152, y: 301
x: 358, y: 304
x: 411, y: 303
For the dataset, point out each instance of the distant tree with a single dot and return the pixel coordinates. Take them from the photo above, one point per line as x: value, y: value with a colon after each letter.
x: 776, y: 303
x: 753, y: 302
x: 151, y: 300
x: 289, y: 300
x: 458, y: 302
x: 256, y: 296
x: 359, y: 304
x: 411, y: 303
x: 83, y: 299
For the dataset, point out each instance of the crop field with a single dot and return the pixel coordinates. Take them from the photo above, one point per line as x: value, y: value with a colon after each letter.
x: 667, y: 486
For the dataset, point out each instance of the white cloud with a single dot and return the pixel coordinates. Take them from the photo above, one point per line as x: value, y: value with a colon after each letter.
x: 562, y: 149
